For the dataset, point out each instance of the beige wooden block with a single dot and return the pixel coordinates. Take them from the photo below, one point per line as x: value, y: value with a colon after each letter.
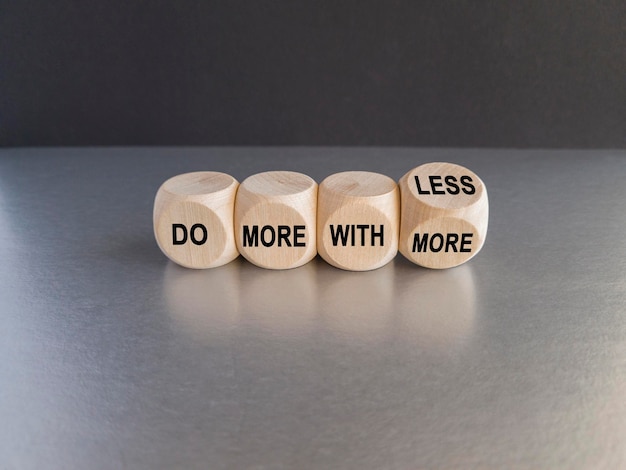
x: 193, y: 219
x: 275, y: 216
x: 444, y: 217
x: 358, y: 219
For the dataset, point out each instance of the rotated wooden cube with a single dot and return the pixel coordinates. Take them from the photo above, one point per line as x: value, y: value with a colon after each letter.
x: 444, y: 215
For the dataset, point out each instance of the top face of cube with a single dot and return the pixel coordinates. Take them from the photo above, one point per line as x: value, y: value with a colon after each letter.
x: 278, y: 183
x: 198, y: 183
x: 359, y: 184
x: 444, y: 185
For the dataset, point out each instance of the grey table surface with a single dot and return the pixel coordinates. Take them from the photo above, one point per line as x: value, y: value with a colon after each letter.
x: 113, y: 357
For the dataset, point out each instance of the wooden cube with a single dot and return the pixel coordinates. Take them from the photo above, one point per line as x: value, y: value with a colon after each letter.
x: 444, y: 216
x: 193, y: 219
x: 275, y: 216
x: 358, y: 220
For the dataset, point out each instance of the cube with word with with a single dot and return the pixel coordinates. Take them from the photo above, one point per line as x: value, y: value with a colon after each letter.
x: 358, y: 218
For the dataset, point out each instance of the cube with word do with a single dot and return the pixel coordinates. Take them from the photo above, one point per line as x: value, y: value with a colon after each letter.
x: 444, y: 216
x: 275, y: 216
x: 358, y: 219
x: 193, y: 219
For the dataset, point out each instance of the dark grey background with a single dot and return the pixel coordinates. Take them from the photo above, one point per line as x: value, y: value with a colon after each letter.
x: 514, y: 74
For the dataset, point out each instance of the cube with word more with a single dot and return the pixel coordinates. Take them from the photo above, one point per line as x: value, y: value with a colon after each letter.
x: 193, y: 219
x: 358, y: 219
x: 444, y: 216
x: 275, y: 214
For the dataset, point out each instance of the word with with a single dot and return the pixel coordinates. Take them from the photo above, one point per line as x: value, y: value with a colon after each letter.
x: 350, y: 231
